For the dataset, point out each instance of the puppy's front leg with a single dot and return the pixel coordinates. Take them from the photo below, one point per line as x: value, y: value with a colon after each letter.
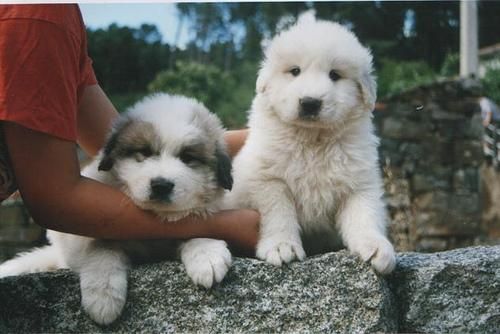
x: 279, y: 229
x: 103, y: 283
x: 362, y: 222
x: 206, y: 260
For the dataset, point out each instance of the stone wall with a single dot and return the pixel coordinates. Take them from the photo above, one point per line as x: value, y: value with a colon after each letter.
x: 451, y: 292
x: 431, y: 154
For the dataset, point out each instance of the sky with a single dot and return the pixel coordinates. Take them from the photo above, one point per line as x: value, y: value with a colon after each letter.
x: 162, y: 15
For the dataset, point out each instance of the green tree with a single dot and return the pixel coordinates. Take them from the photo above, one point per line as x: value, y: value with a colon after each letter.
x: 126, y: 59
x: 491, y: 84
x: 395, y: 77
x: 208, y: 84
x: 409, y: 30
x: 204, y: 82
x: 451, y: 65
x: 489, y: 24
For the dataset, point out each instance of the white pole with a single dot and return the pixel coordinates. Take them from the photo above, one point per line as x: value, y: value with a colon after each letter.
x: 468, y: 38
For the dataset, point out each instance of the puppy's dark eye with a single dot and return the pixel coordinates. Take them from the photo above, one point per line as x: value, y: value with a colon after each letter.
x: 193, y: 155
x: 141, y: 154
x: 334, y: 76
x: 145, y: 151
x: 187, y: 157
x: 295, y: 71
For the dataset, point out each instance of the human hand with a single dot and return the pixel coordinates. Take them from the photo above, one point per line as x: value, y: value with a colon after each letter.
x: 240, y: 228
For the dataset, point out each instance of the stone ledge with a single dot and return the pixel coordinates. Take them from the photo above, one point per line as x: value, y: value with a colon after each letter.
x: 335, y: 292
x: 456, y: 291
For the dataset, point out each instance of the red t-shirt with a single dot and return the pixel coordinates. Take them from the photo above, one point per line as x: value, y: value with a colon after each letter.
x: 44, y: 67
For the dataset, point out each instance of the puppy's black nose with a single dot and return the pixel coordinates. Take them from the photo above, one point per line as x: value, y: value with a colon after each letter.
x: 161, y: 189
x: 309, y: 107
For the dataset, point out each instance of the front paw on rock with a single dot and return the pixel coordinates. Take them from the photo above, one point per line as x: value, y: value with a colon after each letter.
x: 207, y: 261
x: 380, y: 254
x: 280, y: 252
x: 103, y: 305
x: 384, y: 259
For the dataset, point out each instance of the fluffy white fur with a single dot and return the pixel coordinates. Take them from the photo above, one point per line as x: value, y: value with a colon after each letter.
x: 315, y: 180
x: 168, y: 125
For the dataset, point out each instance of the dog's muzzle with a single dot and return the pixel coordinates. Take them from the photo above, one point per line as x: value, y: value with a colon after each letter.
x: 309, y: 108
x: 161, y: 189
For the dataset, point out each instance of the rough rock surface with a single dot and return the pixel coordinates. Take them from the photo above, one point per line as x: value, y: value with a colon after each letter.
x: 450, y: 292
x: 333, y: 293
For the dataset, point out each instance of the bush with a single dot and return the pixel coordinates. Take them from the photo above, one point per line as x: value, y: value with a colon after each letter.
x: 451, y: 65
x: 123, y: 101
x: 219, y: 91
x: 203, y: 82
x: 491, y: 84
x: 395, y: 77
x: 233, y: 110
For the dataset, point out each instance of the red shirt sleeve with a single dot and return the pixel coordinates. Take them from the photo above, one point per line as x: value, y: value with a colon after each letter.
x: 44, y: 67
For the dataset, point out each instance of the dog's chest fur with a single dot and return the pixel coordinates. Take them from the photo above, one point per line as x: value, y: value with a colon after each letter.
x: 315, y: 171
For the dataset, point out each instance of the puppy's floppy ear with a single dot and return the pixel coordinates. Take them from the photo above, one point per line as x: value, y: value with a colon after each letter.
x: 108, y: 152
x: 262, y: 79
x: 368, y: 88
x: 223, y: 168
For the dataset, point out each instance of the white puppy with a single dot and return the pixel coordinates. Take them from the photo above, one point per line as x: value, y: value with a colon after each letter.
x: 168, y: 154
x: 310, y: 163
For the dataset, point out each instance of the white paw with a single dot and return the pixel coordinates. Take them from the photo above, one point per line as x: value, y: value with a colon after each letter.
x: 103, y: 300
x: 279, y: 249
x: 207, y: 261
x: 379, y: 251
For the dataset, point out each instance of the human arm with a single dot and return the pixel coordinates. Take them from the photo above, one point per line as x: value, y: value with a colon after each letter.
x: 485, y: 111
x: 95, y: 115
x: 235, y: 139
x: 487, y: 119
x: 58, y: 198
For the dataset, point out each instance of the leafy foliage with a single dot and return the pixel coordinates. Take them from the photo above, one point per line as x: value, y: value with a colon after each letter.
x: 491, y: 84
x: 233, y: 110
x: 125, y: 100
x: 411, y: 42
x: 207, y: 83
x: 451, y: 65
x: 394, y: 77
x: 204, y: 82
x: 405, y: 30
x: 126, y: 59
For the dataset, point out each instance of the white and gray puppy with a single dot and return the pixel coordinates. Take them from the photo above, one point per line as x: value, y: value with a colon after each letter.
x: 310, y: 163
x: 168, y: 155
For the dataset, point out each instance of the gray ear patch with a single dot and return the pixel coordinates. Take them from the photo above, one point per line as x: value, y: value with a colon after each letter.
x: 108, y: 156
x: 129, y: 136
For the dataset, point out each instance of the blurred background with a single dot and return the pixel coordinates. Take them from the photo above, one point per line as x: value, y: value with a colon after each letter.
x: 211, y: 51
x: 441, y: 194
